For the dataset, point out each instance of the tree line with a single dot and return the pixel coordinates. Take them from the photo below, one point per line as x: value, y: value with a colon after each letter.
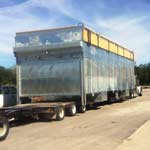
x: 8, y: 75
x: 143, y: 74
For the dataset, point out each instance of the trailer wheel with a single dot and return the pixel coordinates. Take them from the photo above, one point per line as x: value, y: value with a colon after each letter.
x: 60, y: 114
x: 82, y: 109
x: 72, y: 110
x: 132, y: 94
x: 4, y: 127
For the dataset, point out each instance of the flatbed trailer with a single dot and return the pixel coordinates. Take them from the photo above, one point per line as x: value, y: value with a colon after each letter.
x: 73, y: 64
x: 34, y: 110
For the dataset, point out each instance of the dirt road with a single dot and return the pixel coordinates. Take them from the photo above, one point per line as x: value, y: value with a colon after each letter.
x: 139, y: 140
x: 102, y: 129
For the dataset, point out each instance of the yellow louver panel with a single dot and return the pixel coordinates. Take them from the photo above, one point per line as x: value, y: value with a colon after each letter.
x: 113, y: 47
x: 120, y: 50
x: 132, y: 56
x: 127, y: 54
x: 103, y: 43
x: 94, y: 40
x: 85, y: 35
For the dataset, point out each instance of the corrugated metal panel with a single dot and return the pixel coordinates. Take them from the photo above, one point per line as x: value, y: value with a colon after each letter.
x: 107, y: 71
x: 103, y: 43
x: 113, y: 47
x: 51, y: 75
x: 94, y: 39
x: 120, y: 50
x: 85, y: 35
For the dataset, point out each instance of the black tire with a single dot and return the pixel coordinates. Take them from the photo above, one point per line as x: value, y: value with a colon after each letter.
x: 4, y: 128
x: 82, y: 109
x: 131, y: 94
x: 92, y: 106
x: 72, y: 110
x: 60, y: 114
x: 45, y: 116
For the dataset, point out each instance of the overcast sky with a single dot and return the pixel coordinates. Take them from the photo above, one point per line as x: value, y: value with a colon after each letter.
x: 127, y: 22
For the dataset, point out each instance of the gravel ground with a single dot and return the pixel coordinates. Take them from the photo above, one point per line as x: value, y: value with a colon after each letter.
x: 102, y: 129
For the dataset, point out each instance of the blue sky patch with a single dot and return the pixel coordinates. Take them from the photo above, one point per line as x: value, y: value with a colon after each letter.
x: 9, y: 3
x: 125, y: 22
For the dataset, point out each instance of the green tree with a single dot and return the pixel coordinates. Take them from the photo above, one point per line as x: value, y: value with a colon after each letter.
x: 143, y: 73
x: 7, y: 76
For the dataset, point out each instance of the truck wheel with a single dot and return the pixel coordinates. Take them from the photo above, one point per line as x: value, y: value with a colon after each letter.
x: 132, y: 96
x: 140, y: 94
x: 82, y: 109
x: 60, y: 114
x: 72, y: 110
x: 4, y: 127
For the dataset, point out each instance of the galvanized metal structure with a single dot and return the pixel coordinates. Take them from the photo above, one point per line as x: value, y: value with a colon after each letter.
x: 72, y: 63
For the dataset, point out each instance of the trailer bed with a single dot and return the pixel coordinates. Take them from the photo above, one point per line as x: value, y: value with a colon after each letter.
x: 37, y: 105
x: 32, y: 108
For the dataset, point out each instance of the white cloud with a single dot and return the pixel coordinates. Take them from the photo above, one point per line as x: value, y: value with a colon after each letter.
x: 125, y: 29
x: 130, y: 32
x: 17, y: 18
